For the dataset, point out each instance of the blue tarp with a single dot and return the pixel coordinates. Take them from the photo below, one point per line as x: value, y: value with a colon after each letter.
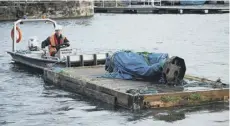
x: 132, y: 65
x: 192, y: 2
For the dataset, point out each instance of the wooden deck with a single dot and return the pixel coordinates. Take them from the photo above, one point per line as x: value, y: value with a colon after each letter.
x: 133, y: 94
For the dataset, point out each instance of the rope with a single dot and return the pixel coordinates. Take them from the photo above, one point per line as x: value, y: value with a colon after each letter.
x: 55, y: 63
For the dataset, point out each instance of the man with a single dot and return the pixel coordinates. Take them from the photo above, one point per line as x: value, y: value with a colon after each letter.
x: 55, y: 41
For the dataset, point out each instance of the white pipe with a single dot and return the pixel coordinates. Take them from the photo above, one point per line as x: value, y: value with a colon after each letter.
x: 30, y: 20
x: 14, y: 39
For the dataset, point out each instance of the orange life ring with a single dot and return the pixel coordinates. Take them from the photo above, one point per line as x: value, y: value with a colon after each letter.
x: 19, y: 33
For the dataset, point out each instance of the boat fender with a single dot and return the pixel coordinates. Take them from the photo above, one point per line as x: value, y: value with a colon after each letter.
x: 19, y: 33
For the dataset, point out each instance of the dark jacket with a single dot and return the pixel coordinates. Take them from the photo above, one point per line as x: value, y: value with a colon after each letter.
x: 47, y: 42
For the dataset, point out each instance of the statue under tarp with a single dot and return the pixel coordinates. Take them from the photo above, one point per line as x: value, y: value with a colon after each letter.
x: 145, y: 66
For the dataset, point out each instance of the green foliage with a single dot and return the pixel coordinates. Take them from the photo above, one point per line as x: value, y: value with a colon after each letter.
x: 194, y: 97
x: 170, y: 98
x: 64, y: 73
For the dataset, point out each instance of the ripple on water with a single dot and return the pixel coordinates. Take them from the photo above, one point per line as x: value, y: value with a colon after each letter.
x: 5, y: 122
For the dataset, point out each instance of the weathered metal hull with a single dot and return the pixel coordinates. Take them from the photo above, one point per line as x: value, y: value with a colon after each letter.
x: 47, y: 63
x: 33, y: 62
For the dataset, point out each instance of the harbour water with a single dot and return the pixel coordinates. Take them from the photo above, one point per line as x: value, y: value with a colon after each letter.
x: 202, y: 40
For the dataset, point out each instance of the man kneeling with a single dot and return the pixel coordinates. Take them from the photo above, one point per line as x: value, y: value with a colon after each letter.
x: 55, y: 41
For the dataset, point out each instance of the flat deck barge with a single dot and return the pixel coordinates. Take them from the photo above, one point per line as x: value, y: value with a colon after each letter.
x: 136, y: 95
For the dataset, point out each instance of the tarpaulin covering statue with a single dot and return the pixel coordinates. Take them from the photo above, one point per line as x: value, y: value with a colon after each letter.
x: 145, y: 66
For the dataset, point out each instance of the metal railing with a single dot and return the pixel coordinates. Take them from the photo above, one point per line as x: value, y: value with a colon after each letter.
x: 28, y: 20
x: 130, y: 3
x: 125, y: 3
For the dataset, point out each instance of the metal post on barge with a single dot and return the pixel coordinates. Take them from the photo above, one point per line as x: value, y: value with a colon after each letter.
x: 206, y: 11
x: 181, y: 11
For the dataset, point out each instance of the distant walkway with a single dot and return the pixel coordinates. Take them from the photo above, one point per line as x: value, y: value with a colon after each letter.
x: 164, y: 9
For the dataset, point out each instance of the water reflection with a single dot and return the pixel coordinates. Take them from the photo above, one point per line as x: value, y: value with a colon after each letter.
x: 180, y: 114
x: 21, y: 68
x: 73, y: 22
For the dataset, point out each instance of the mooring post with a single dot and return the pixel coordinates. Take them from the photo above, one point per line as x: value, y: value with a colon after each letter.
x: 181, y: 11
x: 116, y: 2
x: 68, y: 63
x: 81, y: 60
x: 94, y: 59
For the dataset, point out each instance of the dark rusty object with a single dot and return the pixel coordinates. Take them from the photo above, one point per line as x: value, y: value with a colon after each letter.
x: 174, y: 70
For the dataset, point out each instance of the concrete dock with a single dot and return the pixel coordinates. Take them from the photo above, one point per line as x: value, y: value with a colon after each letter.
x: 147, y: 9
x: 135, y: 95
